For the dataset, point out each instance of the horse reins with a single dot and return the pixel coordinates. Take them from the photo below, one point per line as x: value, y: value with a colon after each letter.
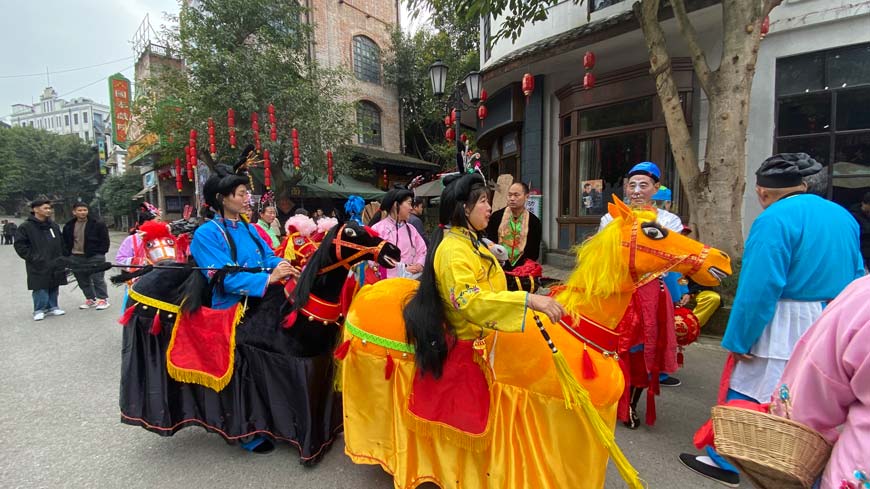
x: 345, y: 262
x: 672, y: 260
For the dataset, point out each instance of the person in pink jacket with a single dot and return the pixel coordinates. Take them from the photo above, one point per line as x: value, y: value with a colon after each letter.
x: 394, y: 228
x: 827, y: 384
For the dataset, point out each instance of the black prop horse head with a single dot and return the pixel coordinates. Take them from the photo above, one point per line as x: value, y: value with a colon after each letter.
x: 342, y: 248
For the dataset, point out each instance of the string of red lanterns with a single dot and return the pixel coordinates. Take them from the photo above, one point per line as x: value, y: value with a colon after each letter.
x: 588, y: 64
x: 212, y: 146
x: 192, y: 161
x: 267, y: 171
x: 273, y: 128
x: 178, y: 182
x: 330, y: 175
x: 294, y: 135
x: 231, y: 124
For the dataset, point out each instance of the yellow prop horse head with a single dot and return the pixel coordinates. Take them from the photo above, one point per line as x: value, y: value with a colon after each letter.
x: 629, y: 252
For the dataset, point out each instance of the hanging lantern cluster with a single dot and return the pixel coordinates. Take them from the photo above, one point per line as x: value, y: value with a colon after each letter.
x: 386, y: 181
x: 191, y: 161
x: 528, y: 86
x: 765, y: 26
x: 450, y: 134
x: 267, y: 169
x: 330, y: 171
x: 178, y: 182
x: 212, y: 146
x: 231, y: 124
x: 588, y: 64
x: 294, y: 134
x: 273, y: 128
x: 255, y: 128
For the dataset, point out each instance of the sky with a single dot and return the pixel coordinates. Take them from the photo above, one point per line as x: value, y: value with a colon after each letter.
x: 64, y: 35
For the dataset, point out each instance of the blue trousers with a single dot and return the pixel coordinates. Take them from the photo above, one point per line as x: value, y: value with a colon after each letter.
x: 711, y: 452
x: 45, y: 300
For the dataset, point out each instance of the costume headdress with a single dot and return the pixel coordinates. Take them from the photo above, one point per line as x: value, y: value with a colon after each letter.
x: 354, y: 207
x: 225, y: 179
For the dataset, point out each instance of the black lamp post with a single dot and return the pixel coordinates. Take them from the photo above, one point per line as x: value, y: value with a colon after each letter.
x: 456, y: 99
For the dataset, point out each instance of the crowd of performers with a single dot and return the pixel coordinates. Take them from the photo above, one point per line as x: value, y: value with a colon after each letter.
x: 265, y: 341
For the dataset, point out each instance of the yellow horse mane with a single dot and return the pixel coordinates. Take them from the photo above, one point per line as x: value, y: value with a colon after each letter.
x: 601, y: 270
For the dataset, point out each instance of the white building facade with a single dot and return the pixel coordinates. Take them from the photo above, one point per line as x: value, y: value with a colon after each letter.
x: 80, y: 116
x: 811, y: 93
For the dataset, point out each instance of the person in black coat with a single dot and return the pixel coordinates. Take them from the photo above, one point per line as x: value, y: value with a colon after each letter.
x: 86, y: 241
x: 39, y: 242
x: 517, y: 229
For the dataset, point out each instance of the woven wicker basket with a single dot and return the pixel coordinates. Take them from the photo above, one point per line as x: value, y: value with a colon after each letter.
x: 773, y: 452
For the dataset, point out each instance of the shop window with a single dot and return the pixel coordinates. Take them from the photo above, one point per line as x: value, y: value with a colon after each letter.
x: 615, y: 115
x: 600, y: 4
x: 823, y: 112
x: 366, y: 60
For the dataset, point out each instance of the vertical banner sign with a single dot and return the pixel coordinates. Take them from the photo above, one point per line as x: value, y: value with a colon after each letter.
x: 101, y: 144
x: 119, y: 100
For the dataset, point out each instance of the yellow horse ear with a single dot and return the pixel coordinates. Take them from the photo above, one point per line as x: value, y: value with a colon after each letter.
x: 617, y: 209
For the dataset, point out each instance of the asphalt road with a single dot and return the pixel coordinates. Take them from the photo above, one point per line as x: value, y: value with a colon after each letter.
x: 59, y: 422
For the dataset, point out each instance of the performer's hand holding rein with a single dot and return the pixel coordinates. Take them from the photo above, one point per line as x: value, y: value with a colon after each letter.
x: 283, y: 271
x: 547, y: 306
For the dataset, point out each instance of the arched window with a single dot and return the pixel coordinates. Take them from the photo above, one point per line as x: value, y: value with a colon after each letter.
x: 368, y: 123
x: 366, y: 59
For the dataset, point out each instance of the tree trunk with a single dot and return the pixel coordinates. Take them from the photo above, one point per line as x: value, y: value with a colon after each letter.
x: 715, y: 190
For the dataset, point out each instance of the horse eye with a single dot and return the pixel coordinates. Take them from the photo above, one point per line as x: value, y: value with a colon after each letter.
x: 350, y: 232
x: 170, y: 242
x: 653, y: 233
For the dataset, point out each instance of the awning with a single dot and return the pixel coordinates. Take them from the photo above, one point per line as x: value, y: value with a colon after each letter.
x: 371, y: 155
x: 343, y: 188
x: 142, y: 193
x: 429, y: 189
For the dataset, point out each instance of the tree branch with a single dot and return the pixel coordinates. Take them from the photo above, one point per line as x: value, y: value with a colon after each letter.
x: 647, y: 13
x: 699, y: 60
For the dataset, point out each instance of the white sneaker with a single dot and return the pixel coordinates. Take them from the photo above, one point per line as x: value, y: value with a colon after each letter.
x: 102, y: 304
x: 88, y: 304
x: 57, y: 312
x: 38, y: 316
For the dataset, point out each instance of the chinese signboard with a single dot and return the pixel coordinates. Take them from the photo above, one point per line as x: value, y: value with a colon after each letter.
x: 119, y: 99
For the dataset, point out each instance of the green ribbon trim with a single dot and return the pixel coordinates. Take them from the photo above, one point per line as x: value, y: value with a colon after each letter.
x: 377, y: 340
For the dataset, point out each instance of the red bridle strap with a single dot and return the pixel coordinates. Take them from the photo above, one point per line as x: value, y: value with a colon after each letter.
x: 375, y: 251
x: 671, y: 260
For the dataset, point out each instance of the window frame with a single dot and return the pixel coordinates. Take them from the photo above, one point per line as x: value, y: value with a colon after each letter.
x: 376, y: 124
x: 367, y: 65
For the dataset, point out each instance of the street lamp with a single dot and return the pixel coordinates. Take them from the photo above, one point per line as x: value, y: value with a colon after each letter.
x: 472, y: 84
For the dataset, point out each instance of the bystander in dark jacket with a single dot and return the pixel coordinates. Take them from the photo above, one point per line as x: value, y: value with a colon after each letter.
x: 86, y: 241
x: 39, y: 242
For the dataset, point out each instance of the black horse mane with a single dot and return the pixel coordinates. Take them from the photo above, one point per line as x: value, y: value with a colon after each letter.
x: 320, y: 259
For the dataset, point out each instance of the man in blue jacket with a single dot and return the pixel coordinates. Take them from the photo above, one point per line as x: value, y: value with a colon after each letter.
x: 87, y: 242
x: 802, y: 250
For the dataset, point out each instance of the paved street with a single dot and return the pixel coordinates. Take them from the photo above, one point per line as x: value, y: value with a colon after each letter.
x: 59, y: 422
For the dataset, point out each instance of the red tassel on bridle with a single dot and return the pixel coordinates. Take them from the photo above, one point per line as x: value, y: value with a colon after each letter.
x: 125, y: 318
x: 342, y: 350
x: 389, y: 368
x: 290, y: 320
x: 156, y: 325
x: 589, y: 371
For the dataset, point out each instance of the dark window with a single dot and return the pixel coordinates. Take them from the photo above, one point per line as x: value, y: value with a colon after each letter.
x: 75, y: 118
x: 566, y: 126
x: 615, y: 115
x: 66, y: 120
x: 366, y: 59
x: 176, y: 203
x: 487, y: 38
x: 822, y: 111
x: 84, y: 117
x: 368, y: 120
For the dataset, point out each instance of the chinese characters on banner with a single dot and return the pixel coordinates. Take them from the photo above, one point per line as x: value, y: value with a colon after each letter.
x: 119, y: 99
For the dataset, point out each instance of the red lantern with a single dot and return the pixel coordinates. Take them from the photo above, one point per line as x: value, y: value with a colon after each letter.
x: 255, y: 128
x: 231, y: 124
x: 330, y: 176
x: 765, y: 26
x: 446, y: 121
x: 528, y: 85
x: 686, y: 326
x: 294, y: 135
x: 481, y: 114
x: 453, y: 116
x: 178, y: 182
x: 589, y: 60
x: 386, y: 181
x: 483, y: 96
x: 588, y: 81
x: 449, y: 134
x: 267, y: 171
x: 463, y: 138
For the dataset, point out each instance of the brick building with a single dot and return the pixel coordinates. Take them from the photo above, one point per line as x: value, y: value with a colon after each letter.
x: 354, y: 35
